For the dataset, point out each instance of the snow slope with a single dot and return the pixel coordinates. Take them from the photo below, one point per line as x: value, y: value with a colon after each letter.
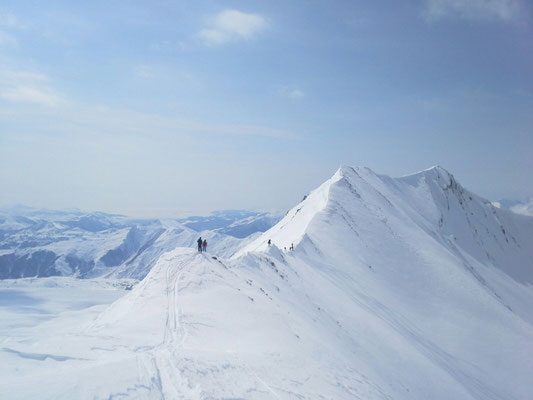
x: 140, y: 264
x: 404, y: 288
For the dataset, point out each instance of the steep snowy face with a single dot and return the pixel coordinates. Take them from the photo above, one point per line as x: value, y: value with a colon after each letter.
x: 292, y: 228
x: 357, y: 210
x: 472, y: 227
x: 422, y: 250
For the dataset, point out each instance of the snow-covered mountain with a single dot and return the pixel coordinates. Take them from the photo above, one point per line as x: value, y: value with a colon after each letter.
x: 40, y: 243
x: 397, y: 288
x: 237, y: 223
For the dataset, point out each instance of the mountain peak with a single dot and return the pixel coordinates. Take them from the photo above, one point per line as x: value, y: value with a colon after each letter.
x: 346, y: 170
x: 435, y: 171
x: 438, y: 176
x: 440, y: 172
x: 358, y: 206
x: 439, y: 169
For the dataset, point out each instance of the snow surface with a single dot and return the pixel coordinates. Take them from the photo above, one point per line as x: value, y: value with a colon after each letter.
x: 398, y: 288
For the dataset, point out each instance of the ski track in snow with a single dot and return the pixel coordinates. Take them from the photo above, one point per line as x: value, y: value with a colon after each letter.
x: 163, y: 359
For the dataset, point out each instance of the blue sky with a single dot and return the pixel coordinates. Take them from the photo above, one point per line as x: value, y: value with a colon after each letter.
x: 164, y: 108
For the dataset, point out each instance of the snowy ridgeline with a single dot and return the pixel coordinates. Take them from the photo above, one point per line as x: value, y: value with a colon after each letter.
x: 41, y: 243
x: 407, y: 288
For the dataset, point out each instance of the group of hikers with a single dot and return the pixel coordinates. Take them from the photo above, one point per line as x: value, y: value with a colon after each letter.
x: 202, y: 245
x: 284, y: 249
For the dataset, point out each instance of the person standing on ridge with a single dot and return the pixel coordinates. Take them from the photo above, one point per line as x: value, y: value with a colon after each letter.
x: 269, y: 242
x: 199, y: 241
x: 204, y: 245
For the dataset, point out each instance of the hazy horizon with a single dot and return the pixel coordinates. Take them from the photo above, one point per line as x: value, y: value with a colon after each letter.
x: 13, y: 207
x: 182, y: 214
x: 169, y: 108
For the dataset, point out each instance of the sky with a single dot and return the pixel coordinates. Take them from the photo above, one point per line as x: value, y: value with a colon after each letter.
x: 173, y: 108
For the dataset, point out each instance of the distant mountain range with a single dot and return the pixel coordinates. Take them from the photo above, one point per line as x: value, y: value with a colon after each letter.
x: 236, y: 223
x: 40, y: 243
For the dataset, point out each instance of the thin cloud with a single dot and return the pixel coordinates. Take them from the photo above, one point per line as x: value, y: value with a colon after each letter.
x: 9, y: 26
x: 177, y: 76
x: 296, y: 94
x: 16, y: 77
x: 232, y: 25
x: 26, y: 94
x: 111, y: 121
x: 292, y: 92
x: 10, y: 21
x: 7, y: 39
x: 476, y: 10
x: 27, y: 87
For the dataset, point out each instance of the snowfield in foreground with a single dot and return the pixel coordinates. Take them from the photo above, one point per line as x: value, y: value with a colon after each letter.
x: 407, y: 288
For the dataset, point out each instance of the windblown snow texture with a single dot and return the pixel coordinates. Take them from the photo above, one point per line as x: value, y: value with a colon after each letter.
x: 407, y: 288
